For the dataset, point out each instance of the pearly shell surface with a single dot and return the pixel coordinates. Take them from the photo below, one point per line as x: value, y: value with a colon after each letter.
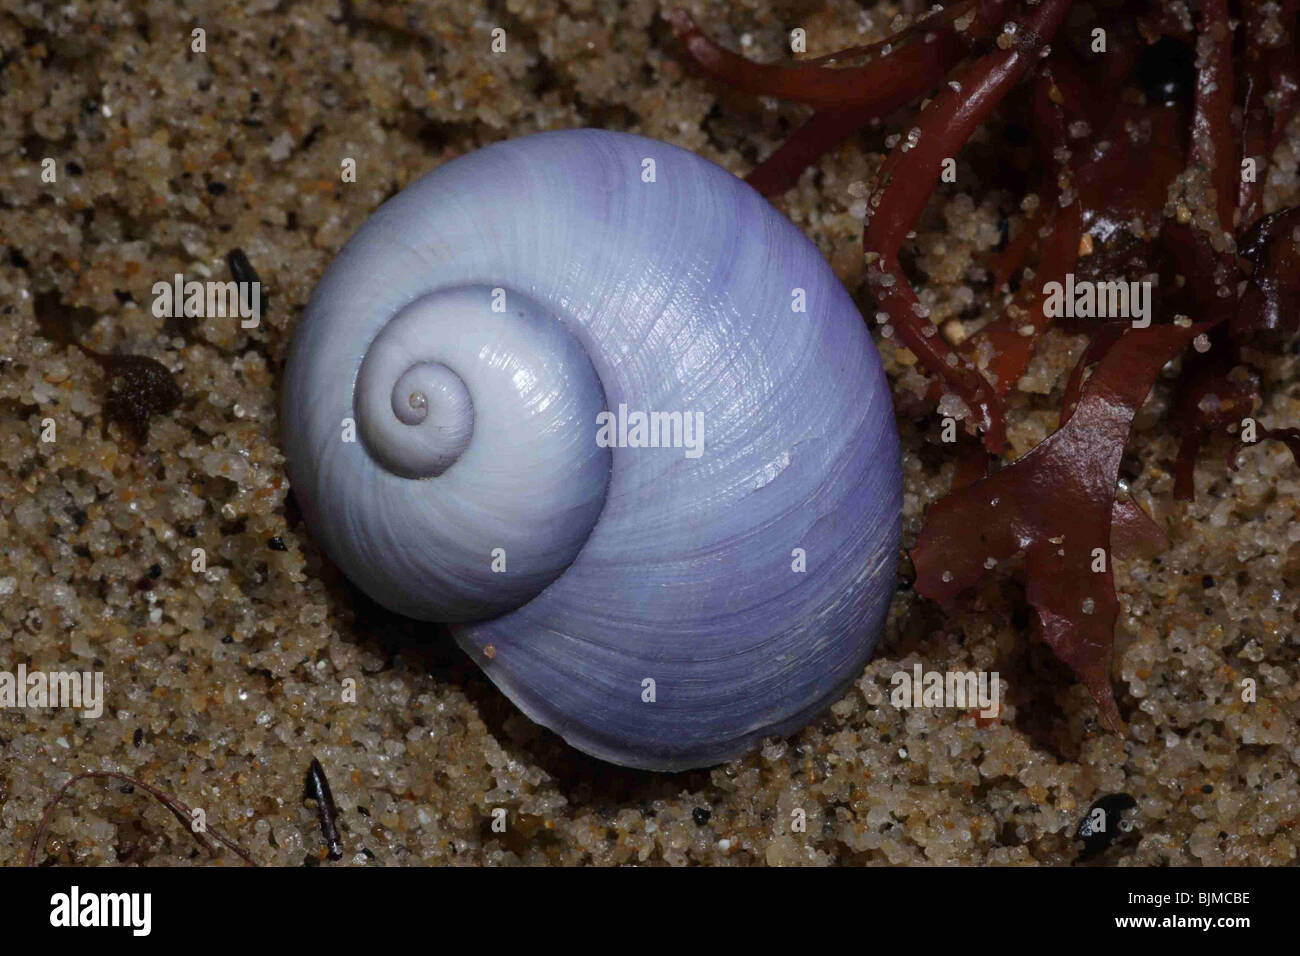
x: 656, y: 609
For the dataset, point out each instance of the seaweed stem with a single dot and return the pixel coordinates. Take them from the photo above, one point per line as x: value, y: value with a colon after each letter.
x: 909, y: 176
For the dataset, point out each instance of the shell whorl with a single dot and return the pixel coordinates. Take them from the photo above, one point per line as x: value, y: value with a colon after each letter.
x: 522, y: 290
x: 496, y: 455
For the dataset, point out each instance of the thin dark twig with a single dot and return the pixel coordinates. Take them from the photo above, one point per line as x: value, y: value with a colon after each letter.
x: 181, y: 810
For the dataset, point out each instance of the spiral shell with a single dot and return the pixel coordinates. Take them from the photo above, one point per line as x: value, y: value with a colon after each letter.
x: 657, y: 608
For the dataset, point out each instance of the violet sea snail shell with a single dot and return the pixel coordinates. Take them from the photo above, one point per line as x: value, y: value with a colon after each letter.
x: 473, y: 330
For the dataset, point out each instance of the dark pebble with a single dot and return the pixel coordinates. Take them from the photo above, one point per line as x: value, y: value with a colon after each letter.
x: 1098, y: 838
x: 240, y: 268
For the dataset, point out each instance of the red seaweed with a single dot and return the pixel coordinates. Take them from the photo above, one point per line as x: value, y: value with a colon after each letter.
x: 895, y: 74
x: 1213, y: 144
x: 1133, y: 532
x: 1288, y: 436
x: 898, y: 71
x: 1141, y: 169
x: 1271, y: 74
x: 1270, y: 304
x: 1014, y: 334
x: 1054, y: 505
x: 910, y: 174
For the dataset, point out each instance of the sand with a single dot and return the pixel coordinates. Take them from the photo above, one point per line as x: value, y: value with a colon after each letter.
x: 223, y: 685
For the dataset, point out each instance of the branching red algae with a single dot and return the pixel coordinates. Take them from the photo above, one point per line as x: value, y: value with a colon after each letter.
x: 1150, y: 176
x: 897, y: 71
x: 909, y: 176
x: 1055, y: 506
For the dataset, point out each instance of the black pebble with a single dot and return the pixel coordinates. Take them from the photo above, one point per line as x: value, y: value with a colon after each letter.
x: 240, y: 268
x: 216, y: 189
x: 276, y: 544
x: 702, y: 815
x: 1095, y: 841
